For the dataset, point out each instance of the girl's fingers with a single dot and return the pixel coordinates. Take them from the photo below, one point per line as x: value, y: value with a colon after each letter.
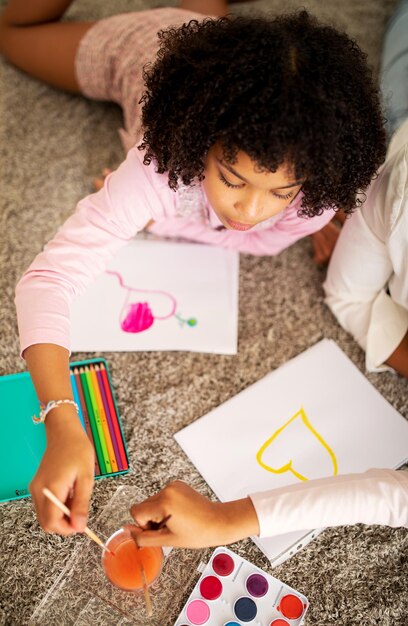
x: 162, y: 538
x: 148, y: 511
x: 51, y: 519
x: 99, y: 182
x: 80, y: 503
x: 341, y: 216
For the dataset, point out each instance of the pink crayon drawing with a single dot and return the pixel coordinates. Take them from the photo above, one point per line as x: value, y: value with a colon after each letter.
x: 136, y: 317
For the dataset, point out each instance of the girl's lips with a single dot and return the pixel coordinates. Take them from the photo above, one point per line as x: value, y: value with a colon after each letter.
x: 238, y: 225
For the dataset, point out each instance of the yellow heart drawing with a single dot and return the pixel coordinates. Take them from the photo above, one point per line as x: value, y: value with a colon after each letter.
x: 288, y: 467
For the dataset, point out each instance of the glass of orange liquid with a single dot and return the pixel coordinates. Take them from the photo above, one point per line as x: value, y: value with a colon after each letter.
x: 125, y: 563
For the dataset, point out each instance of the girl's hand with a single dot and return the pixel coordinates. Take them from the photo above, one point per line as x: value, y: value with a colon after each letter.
x: 99, y: 182
x: 67, y: 469
x: 324, y: 240
x: 195, y: 521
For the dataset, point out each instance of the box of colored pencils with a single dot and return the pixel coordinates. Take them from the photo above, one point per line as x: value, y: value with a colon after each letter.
x: 22, y: 443
x: 93, y: 393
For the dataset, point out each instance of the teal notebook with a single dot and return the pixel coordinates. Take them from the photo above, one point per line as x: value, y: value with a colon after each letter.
x: 22, y: 443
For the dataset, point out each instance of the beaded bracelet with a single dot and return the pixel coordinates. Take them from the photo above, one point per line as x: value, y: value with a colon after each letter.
x: 52, y: 404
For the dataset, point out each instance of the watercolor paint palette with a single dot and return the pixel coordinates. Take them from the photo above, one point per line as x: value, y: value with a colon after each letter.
x: 232, y: 591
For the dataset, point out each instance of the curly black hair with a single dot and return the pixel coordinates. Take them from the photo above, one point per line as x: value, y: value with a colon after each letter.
x: 283, y: 90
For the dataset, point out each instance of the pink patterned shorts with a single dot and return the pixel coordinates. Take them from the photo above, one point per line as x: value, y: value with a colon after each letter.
x: 112, y: 54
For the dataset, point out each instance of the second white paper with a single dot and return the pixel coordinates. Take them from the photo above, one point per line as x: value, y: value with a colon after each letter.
x: 161, y: 296
x: 315, y: 416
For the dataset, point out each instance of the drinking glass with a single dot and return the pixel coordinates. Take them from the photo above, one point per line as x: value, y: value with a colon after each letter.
x: 125, y: 563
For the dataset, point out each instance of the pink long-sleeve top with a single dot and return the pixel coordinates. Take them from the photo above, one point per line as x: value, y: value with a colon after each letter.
x: 103, y: 222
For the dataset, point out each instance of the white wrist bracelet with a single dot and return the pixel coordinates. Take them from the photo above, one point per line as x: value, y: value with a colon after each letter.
x: 52, y: 404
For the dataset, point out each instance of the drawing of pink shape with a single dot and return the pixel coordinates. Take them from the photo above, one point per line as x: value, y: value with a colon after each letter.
x: 139, y: 317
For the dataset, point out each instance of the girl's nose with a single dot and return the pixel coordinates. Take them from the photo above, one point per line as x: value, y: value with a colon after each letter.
x: 250, y: 209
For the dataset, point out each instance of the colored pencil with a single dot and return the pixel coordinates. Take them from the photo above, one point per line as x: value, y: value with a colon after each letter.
x: 92, y: 421
x: 86, y: 418
x: 109, y: 417
x: 115, y: 420
x: 76, y: 398
x: 102, y: 440
x: 103, y: 418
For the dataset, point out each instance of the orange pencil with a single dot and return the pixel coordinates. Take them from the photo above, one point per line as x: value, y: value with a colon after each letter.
x: 103, y: 418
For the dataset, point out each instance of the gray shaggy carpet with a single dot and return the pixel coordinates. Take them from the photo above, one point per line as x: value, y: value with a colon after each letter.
x: 52, y: 144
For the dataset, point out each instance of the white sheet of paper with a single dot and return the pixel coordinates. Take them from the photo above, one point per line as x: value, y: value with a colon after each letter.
x: 347, y: 426
x: 198, y: 283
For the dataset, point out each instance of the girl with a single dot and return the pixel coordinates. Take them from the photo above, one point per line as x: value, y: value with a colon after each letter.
x: 255, y: 131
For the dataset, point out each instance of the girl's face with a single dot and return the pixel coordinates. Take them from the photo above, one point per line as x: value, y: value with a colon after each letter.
x: 240, y: 195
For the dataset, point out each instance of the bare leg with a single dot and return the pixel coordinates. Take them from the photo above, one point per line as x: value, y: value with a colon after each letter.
x: 32, y: 39
x: 208, y: 7
x: 217, y: 8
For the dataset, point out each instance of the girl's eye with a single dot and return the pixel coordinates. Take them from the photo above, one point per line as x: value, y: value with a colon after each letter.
x: 226, y: 182
x: 285, y: 196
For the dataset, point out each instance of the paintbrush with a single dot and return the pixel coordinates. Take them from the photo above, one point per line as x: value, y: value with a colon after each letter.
x: 154, y: 525
x: 144, y: 581
x: 67, y: 512
x: 150, y: 526
x: 158, y: 525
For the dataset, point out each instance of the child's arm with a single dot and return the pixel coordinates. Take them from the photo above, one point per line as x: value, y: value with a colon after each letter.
x: 367, y: 280
x: 324, y: 240
x: 81, y: 249
x: 378, y: 496
x: 195, y: 522
x: 356, y: 292
x: 67, y: 467
x: 374, y: 497
x: 399, y: 358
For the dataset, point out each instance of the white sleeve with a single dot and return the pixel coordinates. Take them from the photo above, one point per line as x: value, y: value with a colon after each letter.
x: 379, y: 496
x: 362, y: 266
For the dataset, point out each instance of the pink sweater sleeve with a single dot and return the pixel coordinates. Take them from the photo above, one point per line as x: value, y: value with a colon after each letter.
x: 102, y: 223
x: 378, y: 496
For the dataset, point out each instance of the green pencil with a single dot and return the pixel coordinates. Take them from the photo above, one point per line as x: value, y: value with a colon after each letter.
x: 106, y: 458
x: 92, y: 421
